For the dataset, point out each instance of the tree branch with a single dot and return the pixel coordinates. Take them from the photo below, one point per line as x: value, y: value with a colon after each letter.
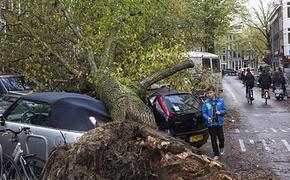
x: 165, y: 73
x: 109, y: 47
x: 71, y: 24
x: 78, y: 33
x: 62, y: 60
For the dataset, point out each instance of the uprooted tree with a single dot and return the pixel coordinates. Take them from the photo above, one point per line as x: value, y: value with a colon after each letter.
x: 116, y: 49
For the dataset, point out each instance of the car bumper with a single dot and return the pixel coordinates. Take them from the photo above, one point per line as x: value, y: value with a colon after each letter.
x: 194, y: 137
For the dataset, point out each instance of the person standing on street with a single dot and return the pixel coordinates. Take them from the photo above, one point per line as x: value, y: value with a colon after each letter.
x: 213, y: 111
x: 283, y: 81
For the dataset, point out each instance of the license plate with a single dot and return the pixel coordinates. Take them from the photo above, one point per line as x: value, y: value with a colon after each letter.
x: 196, y: 138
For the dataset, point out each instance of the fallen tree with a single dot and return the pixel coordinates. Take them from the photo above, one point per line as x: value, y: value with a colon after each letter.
x: 86, y: 42
x: 130, y: 147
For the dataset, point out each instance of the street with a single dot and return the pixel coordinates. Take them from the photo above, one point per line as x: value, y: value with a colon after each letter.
x: 257, y: 137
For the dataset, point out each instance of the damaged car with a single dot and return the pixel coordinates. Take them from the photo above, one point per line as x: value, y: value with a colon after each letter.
x: 179, y: 114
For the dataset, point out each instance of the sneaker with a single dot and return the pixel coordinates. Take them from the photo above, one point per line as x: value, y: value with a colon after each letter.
x: 216, y: 157
x: 222, y: 151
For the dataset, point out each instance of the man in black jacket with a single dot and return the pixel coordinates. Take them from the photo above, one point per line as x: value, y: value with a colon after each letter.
x: 265, y: 81
x: 249, y: 80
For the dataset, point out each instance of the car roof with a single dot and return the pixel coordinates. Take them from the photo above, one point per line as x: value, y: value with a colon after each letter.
x: 71, y: 110
x: 10, y: 75
x: 54, y: 97
x: 170, y: 93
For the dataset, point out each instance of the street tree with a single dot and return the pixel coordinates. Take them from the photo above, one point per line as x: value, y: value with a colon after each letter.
x: 215, y: 17
x: 258, y: 18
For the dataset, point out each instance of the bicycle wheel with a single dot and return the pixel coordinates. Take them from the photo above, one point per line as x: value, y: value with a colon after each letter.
x: 266, y: 97
x: 35, y: 165
x: 10, y: 169
x: 251, y: 95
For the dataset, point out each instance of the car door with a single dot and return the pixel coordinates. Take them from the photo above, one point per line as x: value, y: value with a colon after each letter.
x: 42, y: 138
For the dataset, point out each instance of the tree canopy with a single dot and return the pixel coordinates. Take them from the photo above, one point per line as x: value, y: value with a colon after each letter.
x: 59, y: 41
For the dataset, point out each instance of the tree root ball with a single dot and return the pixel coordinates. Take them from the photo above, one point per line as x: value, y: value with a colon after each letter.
x: 131, y: 150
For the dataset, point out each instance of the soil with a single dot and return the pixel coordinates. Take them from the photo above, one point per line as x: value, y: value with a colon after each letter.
x: 131, y: 150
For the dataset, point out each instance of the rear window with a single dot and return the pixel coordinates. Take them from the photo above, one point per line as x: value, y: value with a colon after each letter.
x: 182, y: 102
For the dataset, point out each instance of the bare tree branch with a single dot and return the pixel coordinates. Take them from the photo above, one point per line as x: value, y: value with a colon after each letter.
x: 165, y: 73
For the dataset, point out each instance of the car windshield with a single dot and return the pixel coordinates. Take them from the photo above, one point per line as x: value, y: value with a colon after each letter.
x: 30, y: 112
x: 13, y: 83
x: 181, y: 102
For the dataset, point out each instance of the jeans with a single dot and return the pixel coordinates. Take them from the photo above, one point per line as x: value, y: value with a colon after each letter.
x: 216, y: 133
x: 247, y: 88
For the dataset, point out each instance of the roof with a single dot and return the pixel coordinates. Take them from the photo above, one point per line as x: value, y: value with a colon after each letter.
x: 197, y: 54
x: 169, y: 93
x: 71, y: 110
x: 53, y: 97
x: 11, y: 75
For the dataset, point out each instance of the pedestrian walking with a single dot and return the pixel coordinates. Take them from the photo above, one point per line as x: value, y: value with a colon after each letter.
x: 213, y: 111
x: 280, y: 81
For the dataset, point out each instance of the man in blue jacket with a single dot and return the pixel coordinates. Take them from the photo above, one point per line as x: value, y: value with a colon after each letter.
x: 213, y: 111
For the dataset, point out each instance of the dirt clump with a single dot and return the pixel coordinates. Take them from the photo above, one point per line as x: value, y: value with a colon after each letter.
x: 131, y: 150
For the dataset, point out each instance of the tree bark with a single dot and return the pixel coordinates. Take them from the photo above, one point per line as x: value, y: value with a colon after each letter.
x: 122, y: 102
x: 165, y: 73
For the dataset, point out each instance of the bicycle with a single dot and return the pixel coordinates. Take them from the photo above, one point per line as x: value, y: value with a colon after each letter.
x: 28, y: 164
x: 249, y: 95
x: 8, y: 168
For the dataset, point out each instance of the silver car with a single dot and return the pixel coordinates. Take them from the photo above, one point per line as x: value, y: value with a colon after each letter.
x: 58, y: 117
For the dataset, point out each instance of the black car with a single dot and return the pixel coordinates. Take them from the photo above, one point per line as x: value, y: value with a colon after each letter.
x: 180, y: 115
x: 230, y: 72
x: 13, y: 86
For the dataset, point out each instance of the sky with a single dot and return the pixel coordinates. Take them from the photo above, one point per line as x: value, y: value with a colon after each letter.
x: 255, y: 3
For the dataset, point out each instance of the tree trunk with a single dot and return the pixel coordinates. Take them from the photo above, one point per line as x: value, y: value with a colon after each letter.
x: 122, y: 102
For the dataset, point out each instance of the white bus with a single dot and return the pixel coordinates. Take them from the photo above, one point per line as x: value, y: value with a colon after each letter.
x: 206, y: 59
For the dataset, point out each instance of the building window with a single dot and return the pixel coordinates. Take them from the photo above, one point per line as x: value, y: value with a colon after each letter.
x: 288, y: 10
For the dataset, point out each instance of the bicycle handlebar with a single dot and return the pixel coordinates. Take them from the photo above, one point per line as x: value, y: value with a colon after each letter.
x: 15, y: 132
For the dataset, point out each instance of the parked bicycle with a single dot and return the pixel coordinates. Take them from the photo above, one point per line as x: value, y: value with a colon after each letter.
x: 21, y: 165
x: 8, y: 168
